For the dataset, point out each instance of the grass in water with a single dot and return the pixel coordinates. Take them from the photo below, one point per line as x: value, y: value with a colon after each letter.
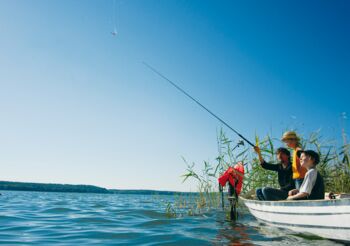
x: 334, y: 166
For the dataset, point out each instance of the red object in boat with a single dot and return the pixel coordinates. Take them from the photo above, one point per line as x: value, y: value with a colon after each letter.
x: 235, y: 176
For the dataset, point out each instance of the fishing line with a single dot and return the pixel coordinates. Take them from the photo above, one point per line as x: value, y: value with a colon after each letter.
x: 196, y: 101
x: 115, y: 31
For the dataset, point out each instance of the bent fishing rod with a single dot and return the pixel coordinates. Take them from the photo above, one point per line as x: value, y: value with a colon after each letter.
x: 196, y: 101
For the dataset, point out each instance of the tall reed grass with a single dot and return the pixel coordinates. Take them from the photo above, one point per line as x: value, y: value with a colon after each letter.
x: 334, y: 166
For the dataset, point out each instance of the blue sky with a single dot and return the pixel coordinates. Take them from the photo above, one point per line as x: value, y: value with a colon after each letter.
x: 77, y: 105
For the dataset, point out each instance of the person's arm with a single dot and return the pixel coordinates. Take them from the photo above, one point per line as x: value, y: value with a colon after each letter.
x: 258, y: 151
x: 269, y: 166
x: 263, y: 163
x: 298, y: 196
x: 293, y: 192
x: 306, y: 187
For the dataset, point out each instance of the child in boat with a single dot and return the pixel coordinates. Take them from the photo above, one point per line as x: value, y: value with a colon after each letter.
x: 292, y: 140
x: 312, y: 187
x: 284, y: 170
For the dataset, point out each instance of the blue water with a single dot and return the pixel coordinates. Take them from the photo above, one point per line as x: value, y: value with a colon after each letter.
x: 40, y: 218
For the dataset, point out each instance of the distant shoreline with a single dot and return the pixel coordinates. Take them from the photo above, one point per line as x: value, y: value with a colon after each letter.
x: 48, y: 187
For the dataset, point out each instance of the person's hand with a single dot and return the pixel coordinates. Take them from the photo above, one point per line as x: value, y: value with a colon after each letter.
x: 290, y: 198
x: 292, y: 192
x: 257, y: 149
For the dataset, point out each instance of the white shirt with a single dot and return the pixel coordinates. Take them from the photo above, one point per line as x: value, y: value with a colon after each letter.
x: 309, y: 181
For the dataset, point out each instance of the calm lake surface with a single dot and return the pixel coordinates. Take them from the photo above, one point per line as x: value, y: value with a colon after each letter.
x: 40, y: 218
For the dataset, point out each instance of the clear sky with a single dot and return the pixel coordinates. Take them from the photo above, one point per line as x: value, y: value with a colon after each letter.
x: 77, y: 106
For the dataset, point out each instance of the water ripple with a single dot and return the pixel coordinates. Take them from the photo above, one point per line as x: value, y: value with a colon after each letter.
x: 39, y: 218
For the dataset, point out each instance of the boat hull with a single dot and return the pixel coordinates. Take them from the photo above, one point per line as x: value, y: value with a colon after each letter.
x: 325, y: 218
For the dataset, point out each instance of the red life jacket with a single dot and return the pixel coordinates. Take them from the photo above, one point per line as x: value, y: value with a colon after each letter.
x: 235, y: 176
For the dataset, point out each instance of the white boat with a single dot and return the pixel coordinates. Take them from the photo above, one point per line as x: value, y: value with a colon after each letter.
x: 324, y: 218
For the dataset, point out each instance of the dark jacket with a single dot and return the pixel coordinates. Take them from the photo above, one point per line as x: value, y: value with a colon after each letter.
x: 318, y: 189
x: 285, y: 175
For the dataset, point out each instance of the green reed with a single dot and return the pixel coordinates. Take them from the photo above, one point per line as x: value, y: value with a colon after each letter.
x: 334, y: 166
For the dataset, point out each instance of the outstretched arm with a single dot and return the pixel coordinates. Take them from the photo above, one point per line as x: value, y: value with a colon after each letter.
x: 263, y: 163
x: 258, y: 151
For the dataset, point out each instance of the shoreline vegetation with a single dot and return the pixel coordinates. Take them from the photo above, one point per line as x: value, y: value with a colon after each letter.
x: 334, y: 167
x: 48, y: 187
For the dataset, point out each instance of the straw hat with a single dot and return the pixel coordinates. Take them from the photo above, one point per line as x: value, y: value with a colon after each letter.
x: 290, y: 135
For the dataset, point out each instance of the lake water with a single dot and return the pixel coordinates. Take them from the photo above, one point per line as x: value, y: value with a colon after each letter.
x: 40, y: 218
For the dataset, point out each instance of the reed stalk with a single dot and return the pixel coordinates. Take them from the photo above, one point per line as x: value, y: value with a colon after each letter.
x: 334, y: 167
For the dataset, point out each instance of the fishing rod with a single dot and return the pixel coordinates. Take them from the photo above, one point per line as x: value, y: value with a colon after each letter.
x: 196, y: 101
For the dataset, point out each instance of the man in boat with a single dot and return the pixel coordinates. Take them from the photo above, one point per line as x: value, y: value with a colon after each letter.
x: 312, y: 187
x: 284, y: 170
x: 292, y: 141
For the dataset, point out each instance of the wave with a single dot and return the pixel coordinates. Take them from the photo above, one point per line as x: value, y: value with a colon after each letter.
x: 87, y: 219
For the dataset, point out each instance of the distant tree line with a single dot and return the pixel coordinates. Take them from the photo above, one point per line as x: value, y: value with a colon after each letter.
x: 22, y: 186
